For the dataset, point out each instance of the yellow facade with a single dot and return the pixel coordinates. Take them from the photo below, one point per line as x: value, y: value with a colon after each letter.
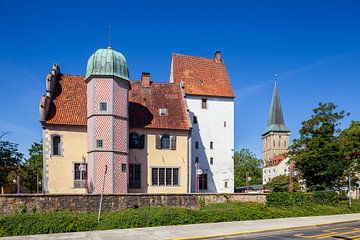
x: 59, y: 176
x: 150, y: 157
x: 60, y: 169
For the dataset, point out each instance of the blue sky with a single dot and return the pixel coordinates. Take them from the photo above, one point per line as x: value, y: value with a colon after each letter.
x: 314, y: 46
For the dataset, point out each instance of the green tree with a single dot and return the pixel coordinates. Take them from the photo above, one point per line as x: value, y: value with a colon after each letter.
x: 350, y: 143
x: 31, y: 171
x: 317, y: 153
x: 279, y: 183
x: 247, y: 168
x: 10, y: 159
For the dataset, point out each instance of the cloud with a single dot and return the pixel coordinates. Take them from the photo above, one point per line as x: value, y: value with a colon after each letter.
x: 249, y: 91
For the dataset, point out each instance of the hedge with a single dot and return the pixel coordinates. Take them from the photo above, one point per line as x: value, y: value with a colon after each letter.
x: 68, y: 221
x: 286, y: 199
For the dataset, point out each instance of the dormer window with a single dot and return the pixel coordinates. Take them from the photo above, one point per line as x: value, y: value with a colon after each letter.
x: 163, y: 111
x: 103, y: 106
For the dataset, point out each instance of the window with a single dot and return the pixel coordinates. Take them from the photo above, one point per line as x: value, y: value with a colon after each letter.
x: 165, y: 141
x: 196, y: 159
x: 211, y: 161
x: 136, y: 140
x: 163, y: 111
x: 211, y: 145
x: 226, y: 184
x: 195, y: 120
x: 204, y: 103
x: 224, y: 123
x: 56, y: 145
x: 99, y: 143
x: 123, y: 167
x: 203, y: 185
x: 134, y: 176
x: 196, y: 145
x: 80, y: 175
x: 165, y: 176
x: 103, y: 106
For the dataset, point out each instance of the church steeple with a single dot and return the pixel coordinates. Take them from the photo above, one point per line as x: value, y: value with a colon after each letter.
x: 276, y: 121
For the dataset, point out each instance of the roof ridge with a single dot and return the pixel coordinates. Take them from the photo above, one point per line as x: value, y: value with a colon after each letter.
x: 187, y: 55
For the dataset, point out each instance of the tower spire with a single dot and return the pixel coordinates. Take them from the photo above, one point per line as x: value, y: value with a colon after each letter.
x: 276, y: 121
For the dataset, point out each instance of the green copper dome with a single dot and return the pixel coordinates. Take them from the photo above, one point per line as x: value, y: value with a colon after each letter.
x: 107, y: 62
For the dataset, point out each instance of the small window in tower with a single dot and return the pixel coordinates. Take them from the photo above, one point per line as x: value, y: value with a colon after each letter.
x: 211, y: 145
x: 224, y: 123
x: 196, y: 159
x: 123, y: 167
x: 99, y: 143
x: 103, y: 106
x: 204, y: 103
x: 195, y: 120
x: 211, y: 160
x: 163, y: 111
x: 226, y: 184
x: 196, y: 145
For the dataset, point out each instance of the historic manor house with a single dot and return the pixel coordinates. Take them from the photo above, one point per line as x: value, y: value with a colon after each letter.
x: 107, y: 131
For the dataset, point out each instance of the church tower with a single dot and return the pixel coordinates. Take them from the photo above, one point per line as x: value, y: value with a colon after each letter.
x: 275, y: 138
x: 107, y: 83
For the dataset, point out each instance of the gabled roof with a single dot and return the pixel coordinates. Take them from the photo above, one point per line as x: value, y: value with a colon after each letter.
x: 276, y: 121
x: 69, y: 104
x: 275, y: 161
x: 201, y: 76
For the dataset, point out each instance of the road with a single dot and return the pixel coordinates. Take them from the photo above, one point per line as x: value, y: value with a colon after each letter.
x: 348, y: 231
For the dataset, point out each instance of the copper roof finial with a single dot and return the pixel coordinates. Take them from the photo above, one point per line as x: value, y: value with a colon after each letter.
x: 109, y: 37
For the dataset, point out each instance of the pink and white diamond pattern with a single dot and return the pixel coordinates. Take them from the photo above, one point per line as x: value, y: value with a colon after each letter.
x: 103, y: 159
x: 120, y: 135
x: 120, y: 178
x: 103, y: 130
x: 102, y: 92
x: 120, y: 99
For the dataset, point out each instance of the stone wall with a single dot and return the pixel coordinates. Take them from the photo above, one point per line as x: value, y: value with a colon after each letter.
x: 81, y: 202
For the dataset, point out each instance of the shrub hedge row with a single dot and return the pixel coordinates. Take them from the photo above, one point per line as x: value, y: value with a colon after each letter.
x: 67, y: 221
x: 286, y: 199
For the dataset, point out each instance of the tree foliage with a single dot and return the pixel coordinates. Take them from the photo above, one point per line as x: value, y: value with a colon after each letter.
x: 350, y: 145
x: 10, y: 159
x: 31, y: 171
x: 247, y: 168
x: 281, y: 183
x: 318, y: 152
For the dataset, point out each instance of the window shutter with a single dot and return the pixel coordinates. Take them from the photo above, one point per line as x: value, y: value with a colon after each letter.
x: 142, y: 141
x: 158, y: 141
x: 173, y: 142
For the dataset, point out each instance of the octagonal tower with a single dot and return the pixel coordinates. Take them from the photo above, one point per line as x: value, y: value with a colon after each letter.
x: 107, y: 81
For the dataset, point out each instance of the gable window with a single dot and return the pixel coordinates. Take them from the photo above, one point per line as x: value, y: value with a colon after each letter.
x: 204, y: 103
x: 136, y: 140
x: 166, y: 142
x: 80, y: 175
x: 165, y: 176
x: 195, y: 121
x: 56, y: 145
x: 103, y: 106
x: 211, y: 145
x: 99, y: 143
x: 196, y: 145
x: 211, y: 160
x: 134, y: 176
x: 203, y: 182
x: 163, y: 111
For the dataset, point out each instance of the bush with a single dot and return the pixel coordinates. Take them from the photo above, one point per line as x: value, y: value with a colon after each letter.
x: 287, y: 199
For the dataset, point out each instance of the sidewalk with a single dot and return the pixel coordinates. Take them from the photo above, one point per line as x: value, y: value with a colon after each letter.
x: 199, y: 230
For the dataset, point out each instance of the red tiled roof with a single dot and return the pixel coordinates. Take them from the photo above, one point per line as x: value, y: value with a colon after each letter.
x: 275, y: 161
x: 145, y: 103
x: 201, y: 76
x: 69, y: 104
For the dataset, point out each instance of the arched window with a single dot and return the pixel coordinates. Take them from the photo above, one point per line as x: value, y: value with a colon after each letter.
x: 134, y: 140
x: 165, y: 141
x: 56, y: 145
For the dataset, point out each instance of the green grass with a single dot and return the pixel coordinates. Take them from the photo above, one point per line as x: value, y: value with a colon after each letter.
x: 67, y: 221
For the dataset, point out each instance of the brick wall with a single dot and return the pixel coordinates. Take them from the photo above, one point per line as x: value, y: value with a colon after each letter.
x: 113, y: 202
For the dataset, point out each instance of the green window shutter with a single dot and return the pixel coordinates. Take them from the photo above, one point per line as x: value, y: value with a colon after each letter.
x: 158, y: 141
x: 173, y: 142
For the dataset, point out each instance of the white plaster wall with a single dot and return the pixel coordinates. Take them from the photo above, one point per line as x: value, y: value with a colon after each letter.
x: 210, y: 128
x: 271, y: 172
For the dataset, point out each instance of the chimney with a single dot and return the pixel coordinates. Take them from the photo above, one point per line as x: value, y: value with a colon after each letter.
x: 145, y: 79
x: 217, y: 57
